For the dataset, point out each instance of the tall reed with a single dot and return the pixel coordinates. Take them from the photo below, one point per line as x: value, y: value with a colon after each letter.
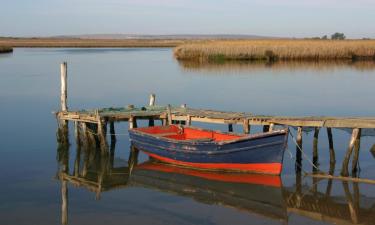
x: 277, y: 50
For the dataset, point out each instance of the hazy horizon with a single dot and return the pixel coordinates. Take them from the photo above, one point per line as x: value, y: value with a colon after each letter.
x: 271, y: 18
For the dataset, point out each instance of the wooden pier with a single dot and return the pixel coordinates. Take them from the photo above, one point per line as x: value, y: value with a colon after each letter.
x: 95, y: 121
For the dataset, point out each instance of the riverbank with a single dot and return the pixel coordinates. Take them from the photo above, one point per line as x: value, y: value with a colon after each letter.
x: 273, y: 50
x: 91, y: 43
x: 5, y: 49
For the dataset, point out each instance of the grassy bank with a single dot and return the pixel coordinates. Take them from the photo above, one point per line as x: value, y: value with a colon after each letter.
x: 90, y: 43
x: 273, y: 50
x: 5, y: 49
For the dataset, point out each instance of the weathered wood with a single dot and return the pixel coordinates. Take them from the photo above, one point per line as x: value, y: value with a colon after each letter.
x: 64, y: 202
x: 357, y: 144
x: 169, y: 114
x: 298, y: 164
x: 188, y: 120
x: 152, y: 100
x: 64, y: 86
x: 112, y: 132
x: 315, y: 147
x: 266, y: 128
x: 102, y: 134
x: 343, y: 178
x: 246, y: 126
x: 332, y: 156
x: 271, y: 127
x: 355, y: 135
x: 230, y: 127
x: 132, y: 122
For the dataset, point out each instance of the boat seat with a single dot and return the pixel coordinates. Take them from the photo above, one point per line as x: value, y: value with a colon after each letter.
x: 165, y: 134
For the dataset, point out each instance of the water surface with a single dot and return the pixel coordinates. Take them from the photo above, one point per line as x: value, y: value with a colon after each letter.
x: 30, y: 161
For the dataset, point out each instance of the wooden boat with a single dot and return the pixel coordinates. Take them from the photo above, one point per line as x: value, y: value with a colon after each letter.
x: 212, y: 150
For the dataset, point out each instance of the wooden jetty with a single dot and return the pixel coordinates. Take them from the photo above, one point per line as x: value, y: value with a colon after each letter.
x: 95, y: 121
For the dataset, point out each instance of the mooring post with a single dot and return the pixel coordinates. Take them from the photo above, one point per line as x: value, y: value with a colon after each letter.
x: 315, y: 147
x: 169, y: 114
x: 332, y: 157
x: 64, y: 86
x: 132, y: 122
x: 230, y: 127
x: 246, y: 126
x: 272, y: 125
x: 112, y: 131
x: 151, y: 122
x: 355, y: 134
x: 298, y: 166
x: 357, y: 145
x: 102, y: 133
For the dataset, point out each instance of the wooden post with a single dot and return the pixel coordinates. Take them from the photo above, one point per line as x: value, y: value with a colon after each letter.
x: 151, y: 121
x: 355, y: 135
x: 353, y: 209
x: 271, y: 127
x: 112, y: 131
x: 169, y: 114
x: 64, y: 86
x: 64, y: 202
x: 357, y: 145
x: 152, y: 100
x: 246, y: 126
x: 230, y: 127
x: 315, y: 148
x: 332, y: 157
x: 132, y: 122
x: 102, y: 134
x: 266, y: 128
x: 188, y: 120
x: 298, y: 165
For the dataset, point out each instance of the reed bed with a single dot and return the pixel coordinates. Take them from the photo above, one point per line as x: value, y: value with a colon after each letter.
x: 272, y: 50
x: 90, y: 43
x: 5, y: 49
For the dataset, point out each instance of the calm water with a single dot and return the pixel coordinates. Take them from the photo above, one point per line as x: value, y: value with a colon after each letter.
x: 30, y: 192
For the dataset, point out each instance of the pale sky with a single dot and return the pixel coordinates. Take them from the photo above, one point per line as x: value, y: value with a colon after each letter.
x: 281, y: 18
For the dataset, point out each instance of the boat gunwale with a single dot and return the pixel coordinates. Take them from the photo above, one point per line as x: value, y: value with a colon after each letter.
x: 242, y: 137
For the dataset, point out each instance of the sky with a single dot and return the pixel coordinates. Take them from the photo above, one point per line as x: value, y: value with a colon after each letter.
x: 278, y: 18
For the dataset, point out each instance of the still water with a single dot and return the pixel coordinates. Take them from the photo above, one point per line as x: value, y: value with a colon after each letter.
x: 149, y: 193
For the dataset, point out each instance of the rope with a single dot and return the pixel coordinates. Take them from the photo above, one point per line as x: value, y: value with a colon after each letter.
x: 303, y: 153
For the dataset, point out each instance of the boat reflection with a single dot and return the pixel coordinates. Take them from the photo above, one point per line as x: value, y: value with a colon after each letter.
x: 339, y: 203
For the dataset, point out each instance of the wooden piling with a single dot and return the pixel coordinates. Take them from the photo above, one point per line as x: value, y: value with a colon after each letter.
x: 357, y: 145
x: 266, y: 128
x: 298, y: 165
x: 132, y: 122
x: 271, y: 127
x: 315, y: 147
x: 102, y: 133
x: 151, y: 121
x: 230, y: 127
x: 332, y: 157
x: 355, y: 135
x: 169, y: 114
x: 64, y: 86
x: 64, y: 202
x: 112, y: 131
x: 246, y: 126
x: 188, y: 120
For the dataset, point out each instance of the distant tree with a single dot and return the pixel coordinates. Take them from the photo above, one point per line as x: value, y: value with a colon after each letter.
x: 338, y: 36
x: 325, y: 37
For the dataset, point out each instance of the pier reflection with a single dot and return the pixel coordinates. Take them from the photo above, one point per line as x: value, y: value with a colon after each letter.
x: 331, y: 201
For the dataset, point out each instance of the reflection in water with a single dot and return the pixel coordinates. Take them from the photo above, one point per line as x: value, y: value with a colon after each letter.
x: 262, y: 195
x: 238, y: 66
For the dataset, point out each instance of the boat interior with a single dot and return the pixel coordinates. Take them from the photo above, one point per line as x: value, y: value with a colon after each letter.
x: 177, y: 132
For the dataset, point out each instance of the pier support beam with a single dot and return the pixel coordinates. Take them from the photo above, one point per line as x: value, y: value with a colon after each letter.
x: 64, y: 86
x: 332, y: 157
x: 112, y: 132
x: 102, y: 127
x: 132, y: 122
x: 357, y: 145
x: 266, y: 128
x: 230, y: 127
x: 355, y: 135
x: 315, y: 148
x: 298, y: 165
x: 246, y: 126
x: 169, y: 114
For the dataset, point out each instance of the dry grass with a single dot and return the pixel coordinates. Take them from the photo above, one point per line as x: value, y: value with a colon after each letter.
x: 89, y: 43
x: 277, y: 50
x: 5, y: 49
